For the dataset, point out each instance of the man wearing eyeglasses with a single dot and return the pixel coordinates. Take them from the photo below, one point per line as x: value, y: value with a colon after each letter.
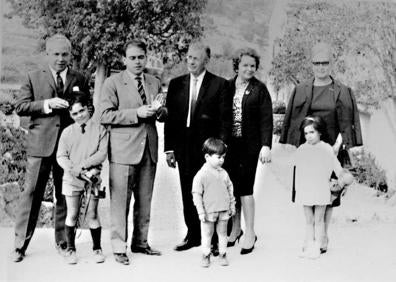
x: 333, y: 101
x: 128, y: 107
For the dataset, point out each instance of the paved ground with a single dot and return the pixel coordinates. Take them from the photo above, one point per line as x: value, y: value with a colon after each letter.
x: 362, y: 244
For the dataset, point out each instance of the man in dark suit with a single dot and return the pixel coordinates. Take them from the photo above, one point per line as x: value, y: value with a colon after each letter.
x: 43, y: 97
x: 128, y: 106
x: 195, y: 105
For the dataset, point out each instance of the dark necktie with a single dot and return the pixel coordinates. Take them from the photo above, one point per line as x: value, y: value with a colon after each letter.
x: 59, y: 85
x: 141, y: 89
x: 83, y: 128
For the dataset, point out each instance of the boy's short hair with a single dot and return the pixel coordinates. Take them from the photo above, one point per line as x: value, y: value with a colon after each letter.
x: 214, y: 146
x: 318, y: 124
x: 135, y: 43
x: 79, y: 97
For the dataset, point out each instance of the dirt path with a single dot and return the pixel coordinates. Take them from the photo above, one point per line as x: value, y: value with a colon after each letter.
x: 362, y: 244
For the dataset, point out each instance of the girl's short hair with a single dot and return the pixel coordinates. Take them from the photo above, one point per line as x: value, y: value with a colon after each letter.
x: 318, y: 124
x: 214, y: 146
x: 245, y: 52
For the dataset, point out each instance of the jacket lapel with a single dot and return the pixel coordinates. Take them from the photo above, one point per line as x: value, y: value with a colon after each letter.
x: 202, y: 91
x: 50, y: 78
x: 69, y: 78
x: 248, y: 91
x: 150, y: 91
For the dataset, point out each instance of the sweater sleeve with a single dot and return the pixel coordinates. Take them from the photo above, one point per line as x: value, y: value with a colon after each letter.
x: 100, y: 155
x: 230, y: 189
x: 63, y: 153
x: 197, y: 192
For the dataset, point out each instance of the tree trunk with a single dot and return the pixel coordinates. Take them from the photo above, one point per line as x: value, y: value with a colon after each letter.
x: 100, y: 76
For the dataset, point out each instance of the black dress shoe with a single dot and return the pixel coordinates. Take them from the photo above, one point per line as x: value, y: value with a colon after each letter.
x: 145, y: 250
x: 249, y: 250
x: 17, y: 255
x: 61, y: 248
x: 187, y: 244
x: 121, y: 258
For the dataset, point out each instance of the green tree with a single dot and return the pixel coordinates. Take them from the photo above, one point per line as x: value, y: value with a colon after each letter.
x: 99, y: 28
x: 364, y: 39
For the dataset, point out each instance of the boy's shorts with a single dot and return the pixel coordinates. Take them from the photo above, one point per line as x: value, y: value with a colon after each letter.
x: 71, y: 190
x: 215, y: 216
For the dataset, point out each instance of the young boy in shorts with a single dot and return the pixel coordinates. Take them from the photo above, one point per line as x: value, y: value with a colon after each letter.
x: 213, y: 197
x: 81, y: 151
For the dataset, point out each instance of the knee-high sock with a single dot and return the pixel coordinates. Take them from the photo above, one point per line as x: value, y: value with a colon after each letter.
x: 96, y: 234
x: 70, y: 232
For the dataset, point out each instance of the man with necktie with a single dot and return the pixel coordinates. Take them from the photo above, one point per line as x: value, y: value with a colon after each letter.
x: 195, y: 104
x: 127, y: 107
x: 43, y: 97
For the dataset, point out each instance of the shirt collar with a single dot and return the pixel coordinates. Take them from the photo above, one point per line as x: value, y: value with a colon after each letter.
x: 133, y: 76
x: 210, y: 168
x: 62, y: 73
x: 199, y: 77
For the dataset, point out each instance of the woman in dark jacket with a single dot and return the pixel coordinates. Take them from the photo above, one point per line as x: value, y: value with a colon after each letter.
x: 334, y: 102
x: 250, y: 116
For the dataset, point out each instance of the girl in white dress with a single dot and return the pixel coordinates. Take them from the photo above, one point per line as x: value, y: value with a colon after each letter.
x: 314, y: 161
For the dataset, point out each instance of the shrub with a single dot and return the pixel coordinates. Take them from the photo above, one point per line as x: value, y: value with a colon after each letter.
x: 366, y: 171
x: 278, y: 107
x: 278, y: 124
x: 12, y: 155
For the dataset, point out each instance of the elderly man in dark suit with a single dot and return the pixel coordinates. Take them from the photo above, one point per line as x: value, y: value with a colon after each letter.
x: 43, y: 97
x: 128, y: 106
x: 195, y: 105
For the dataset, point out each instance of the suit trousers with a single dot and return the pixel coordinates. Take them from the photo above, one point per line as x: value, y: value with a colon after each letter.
x: 125, y: 180
x: 190, y: 160
x: 37, y: 174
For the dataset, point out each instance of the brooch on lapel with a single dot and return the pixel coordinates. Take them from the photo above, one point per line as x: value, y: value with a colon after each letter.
x: 247, y: 92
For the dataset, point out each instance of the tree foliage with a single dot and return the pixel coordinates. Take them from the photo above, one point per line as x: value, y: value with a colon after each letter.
x: 99, y: 28
x: 363, y: 35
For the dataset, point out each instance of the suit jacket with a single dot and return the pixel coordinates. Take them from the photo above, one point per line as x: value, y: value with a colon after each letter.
x: 44, y: 129
x: 119, y: 102
x: 207, y: 118
x: 346, y: 109
x: 257, y: 120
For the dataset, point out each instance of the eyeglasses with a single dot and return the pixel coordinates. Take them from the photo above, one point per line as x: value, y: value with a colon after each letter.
x: 324, y: 63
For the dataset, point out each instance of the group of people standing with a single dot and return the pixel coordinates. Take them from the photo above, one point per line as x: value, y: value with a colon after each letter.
x: 210, y: 123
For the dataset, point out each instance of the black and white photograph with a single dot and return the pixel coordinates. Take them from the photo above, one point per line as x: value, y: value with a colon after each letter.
x: 198, y: 140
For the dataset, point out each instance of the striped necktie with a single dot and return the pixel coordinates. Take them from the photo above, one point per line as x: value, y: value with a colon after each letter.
x: 141, y: 89
x: 59, y: 85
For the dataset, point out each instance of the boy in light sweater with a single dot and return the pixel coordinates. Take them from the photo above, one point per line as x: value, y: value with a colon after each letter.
x: 82, y: 150
x: 213, y: 197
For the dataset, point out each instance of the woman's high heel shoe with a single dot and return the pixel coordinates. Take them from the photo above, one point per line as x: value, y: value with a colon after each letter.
x: 249, y: 250
x: 232, y: 243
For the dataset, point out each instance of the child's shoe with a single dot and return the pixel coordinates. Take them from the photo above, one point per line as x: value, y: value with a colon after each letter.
x: 303, y: 253
x: 71, y: 257
x: 223, y: 259
x: 205, y: 262
x: 98, y: 256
